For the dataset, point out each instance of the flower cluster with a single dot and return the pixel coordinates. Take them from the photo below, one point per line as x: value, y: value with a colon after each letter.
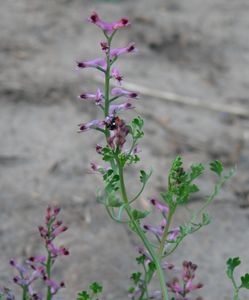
x: 182, y: 287
x: 40, y: 267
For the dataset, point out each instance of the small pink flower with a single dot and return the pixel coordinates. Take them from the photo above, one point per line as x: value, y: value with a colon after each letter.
x: 95, y: 19
x: 99, y: 149
x: 124, y: 22
x: 94, y: 124
x: 104, y: 46
x: 59, y: 230
x: 145, y: 253
x: 116, y: 74
x: 98, y: 97
x: 122, y: 92
x: 108, y: 27
x: 95, y: 63
x: 55, y: 251
x: 55, y: 286
x: 43, y: 231
x: 37, y: 259
x: 114, y: 109
x: 154, y: 230
x: 98, y: 168
x: 119, y: 51
x: 173, y: 234
x: 162, y: 207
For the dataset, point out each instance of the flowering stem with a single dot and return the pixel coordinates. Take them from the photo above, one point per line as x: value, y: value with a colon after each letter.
x: 141, y: 234
x: 49, y: 265
x: 166, y: 231
x: 107, y: 75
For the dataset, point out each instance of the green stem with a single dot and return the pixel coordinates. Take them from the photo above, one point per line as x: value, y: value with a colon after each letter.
x: 141, y: 234
x: 235, y: 289
x: 48, y: 269
x: 165, y: 233
x: 146, y: 281
x: 25, y: 292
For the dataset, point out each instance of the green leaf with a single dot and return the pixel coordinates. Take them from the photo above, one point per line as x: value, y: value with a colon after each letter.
x: 107, y: 154
x: 138, y: 122
x: 83, y: 295
x: 140, y: 259
x: 144, y: 176
x: 96, y: 287
x: 139, y: 214
x: 113, y: 201
x: 196, y: 171
x: 245, y: 281
x: 136, y: 277
x: 217, y: 167
x: 232, y: 263
x: 131, y: 290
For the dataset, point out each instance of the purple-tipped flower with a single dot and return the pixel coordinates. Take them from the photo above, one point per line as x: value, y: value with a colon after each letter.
x: 55, y: 286
x: 98, y: 168
x: 37, y: 259
x: 123, y: 22
x: 154, y: 230
x: 108, y: 27
x: 114, y: 109
x: 122, y: 92
x: 162, y: 207
x: 173, y: 234
x: 119, y: 51
x: 94, y: 124
x: 98, y: 98
x: 145, y: 253
x: 55, y: 251
x: 99, y: 149
x: 95, y: 63
x: 116, y: 74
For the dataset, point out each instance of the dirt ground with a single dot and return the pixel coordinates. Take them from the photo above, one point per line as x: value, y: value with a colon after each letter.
x: 196, y: 49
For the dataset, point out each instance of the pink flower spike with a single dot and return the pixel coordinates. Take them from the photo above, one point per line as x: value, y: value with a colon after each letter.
x: 94, y: 124
x: 122, y: 92
x: 119, y: 51
x: 95, y: 19
x: 95, y: 63
x: 114, y: 109
x: 124, y: 22
x: 116, y: 74
x: 162, y: 207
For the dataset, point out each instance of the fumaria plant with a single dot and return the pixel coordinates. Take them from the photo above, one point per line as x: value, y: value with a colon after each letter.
x: 119, y: 150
